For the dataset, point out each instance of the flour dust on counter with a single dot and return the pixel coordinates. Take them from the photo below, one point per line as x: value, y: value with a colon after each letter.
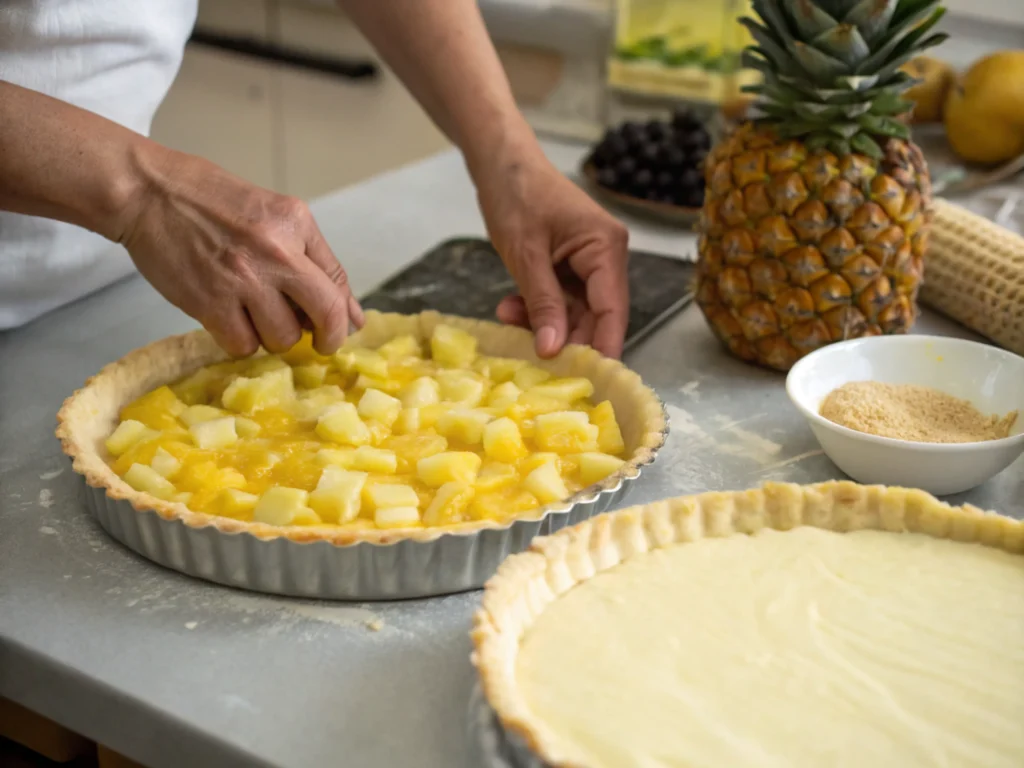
x: 705, y: 449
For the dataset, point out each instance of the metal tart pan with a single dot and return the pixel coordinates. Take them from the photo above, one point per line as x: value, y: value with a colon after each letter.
x: 404, y: 569
x: 494, y: 747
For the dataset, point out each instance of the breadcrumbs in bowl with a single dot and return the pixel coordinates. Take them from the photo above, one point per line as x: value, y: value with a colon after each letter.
x: 929, y: 412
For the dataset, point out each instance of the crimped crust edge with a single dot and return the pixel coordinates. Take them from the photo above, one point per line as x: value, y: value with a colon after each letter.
x: 527, y: 583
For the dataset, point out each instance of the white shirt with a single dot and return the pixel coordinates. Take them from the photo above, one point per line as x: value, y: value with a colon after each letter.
x: 116, y: 58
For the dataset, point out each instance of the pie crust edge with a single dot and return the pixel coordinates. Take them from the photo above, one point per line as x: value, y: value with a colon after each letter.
x: 527, y: 583
x: 88, y: 416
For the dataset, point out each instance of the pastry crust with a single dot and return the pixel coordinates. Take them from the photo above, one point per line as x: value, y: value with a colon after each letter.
x: 527, y: 583
x: 89, y: 416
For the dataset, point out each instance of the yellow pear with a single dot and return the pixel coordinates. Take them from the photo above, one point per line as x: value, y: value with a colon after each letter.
x: 984, y: 112
x: 929, y: 95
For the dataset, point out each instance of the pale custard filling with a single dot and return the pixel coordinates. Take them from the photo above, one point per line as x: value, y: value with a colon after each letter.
x: 803, y: 648
x: 399, y: 437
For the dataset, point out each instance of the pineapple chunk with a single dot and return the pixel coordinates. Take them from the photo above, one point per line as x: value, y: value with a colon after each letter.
x: 408, y: 421
x: 451, y: 347
x: 306, y: 516
x: 246, y: 428
x: 422, y: 391
x: 532, y: 404
x: 310, y: 376
x: 384, y: 495
x: 197, y: 414
x: 539, y: 459
x: 465, y: 425
x: 364, y: 361
x: 164, y: 463
x: 449, y: 504
x: 396, y: 517
x: 338, y: 457
x: 342, y: 424
x: 461, y: 387
x: 503, y: 442
x: 128, y: 434
x: 314, y: 403
x: 232, y: 502
x: 302, y: 353
x: 498, y: 369
x: 448, y: 467
x: 495, y: 475
x: 196, y: 388
x: 546, y: 484
x: 378, y: 432
x: 378, y: 460
x: 504, y: 395
x: 530, y: 376
x: 569, y: 465
x: 248, y: 395
x: 502, y: 505
x: 214, y: 435
x: 280, y: 505
x: 431, y: 414
x: 411, y: 448
x: 566, y: 390
x: 400, y: 348
x: 565, y: 432
x: 382, y: 408
x: 156, y: 409
x: 595, y: 467
x: 264, y: 364
x: 206, y: 475
x: 609, y: 436
x: 337, y: 497
x: 389, y: 386
x: 148, y: 480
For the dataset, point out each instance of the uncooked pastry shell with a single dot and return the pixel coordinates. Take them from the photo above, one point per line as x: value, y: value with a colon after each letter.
x: 528, y: 583
x: 89, y: 416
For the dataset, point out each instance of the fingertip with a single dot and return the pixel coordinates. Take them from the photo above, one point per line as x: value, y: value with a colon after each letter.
x: 609, y: 339
x: 547, y: 342
x: 505, y: 313
x: 512, y: 311
x: 355, y: 312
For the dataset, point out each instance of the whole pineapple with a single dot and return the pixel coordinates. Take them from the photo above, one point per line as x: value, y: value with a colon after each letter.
x: 816, y: 214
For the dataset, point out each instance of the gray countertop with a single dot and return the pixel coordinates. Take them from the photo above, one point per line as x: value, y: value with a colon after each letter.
x: 172, y: 672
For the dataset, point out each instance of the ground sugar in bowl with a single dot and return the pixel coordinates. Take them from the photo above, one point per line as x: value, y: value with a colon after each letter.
x: 929, y: 412
x: 912, y: 412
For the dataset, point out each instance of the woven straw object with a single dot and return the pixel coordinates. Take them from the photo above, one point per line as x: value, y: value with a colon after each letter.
x: 974, y: 273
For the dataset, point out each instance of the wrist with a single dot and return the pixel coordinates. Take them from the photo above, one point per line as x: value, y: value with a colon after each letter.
x: 131, y: 183
x: 505, y: 147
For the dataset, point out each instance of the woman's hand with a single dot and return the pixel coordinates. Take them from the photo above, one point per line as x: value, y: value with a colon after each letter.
x: 566, y: 254
x: 247, y: 263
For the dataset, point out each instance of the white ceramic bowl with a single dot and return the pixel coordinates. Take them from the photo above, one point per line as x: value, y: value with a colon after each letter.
x: 990, y: 378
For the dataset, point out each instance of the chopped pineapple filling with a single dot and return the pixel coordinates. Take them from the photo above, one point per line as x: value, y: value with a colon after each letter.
x: 405, y: 436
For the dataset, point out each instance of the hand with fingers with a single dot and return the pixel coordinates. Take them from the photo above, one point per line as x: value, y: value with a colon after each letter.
x: 249, y: 264
x: 567, y: 255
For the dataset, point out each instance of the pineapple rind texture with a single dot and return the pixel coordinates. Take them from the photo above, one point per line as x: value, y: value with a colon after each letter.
x: 406, y: 436
x: 815, y: 220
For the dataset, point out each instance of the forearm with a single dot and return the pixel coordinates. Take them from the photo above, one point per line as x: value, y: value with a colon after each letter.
x: 441, y: 50
x: 65, y: 163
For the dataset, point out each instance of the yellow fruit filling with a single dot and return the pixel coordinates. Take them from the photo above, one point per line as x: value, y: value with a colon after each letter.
x: 409, y: 435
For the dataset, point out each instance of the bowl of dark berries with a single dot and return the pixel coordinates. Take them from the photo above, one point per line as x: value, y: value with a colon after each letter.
x: 654, y: 168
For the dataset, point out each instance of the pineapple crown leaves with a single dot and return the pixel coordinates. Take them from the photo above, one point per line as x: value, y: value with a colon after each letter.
x: 831, y: 68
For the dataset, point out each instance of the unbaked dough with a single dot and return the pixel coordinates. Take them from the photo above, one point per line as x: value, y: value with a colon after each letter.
x: 788, y: 649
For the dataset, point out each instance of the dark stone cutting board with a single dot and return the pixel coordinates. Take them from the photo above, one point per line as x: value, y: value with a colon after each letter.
x: 465, y: 276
